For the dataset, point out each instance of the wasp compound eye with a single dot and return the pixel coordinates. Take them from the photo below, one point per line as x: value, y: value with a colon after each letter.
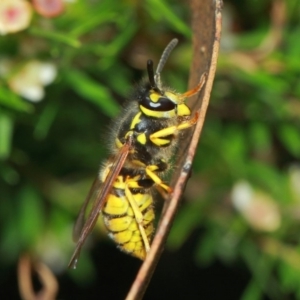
x: 162, y: 104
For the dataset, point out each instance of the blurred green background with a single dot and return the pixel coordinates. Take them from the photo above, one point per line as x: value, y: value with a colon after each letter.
x: 236, y: 235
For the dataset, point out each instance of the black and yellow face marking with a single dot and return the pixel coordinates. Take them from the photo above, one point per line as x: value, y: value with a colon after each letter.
x: 143, y: 143
x: 167, y: 105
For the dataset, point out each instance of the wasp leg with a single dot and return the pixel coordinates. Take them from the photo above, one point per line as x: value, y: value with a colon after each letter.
x: 196, y: 89
x: 157, y: 137
x: 138, y: 216
x: 162, y: 192
x: 150, y: 171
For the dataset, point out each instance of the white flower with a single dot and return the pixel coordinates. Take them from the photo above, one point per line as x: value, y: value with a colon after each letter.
x: 15, y: 15
x: 258, y: 208
x: 30, y: 80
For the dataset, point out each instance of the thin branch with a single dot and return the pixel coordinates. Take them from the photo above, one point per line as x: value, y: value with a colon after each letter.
x: 207, y: 31
x: 48, y: 281
x: 251, y: 60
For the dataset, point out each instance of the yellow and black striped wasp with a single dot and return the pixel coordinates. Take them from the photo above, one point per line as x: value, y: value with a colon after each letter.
x: 143, y: 141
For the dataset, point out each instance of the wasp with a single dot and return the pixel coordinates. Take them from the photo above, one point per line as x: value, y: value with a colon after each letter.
x: 143, y: 141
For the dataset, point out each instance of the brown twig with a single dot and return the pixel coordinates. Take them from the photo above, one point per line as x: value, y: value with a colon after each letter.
x: 250, y: 60
x: 274, y: 36
x: 49, y: 283
x: 206, y: 23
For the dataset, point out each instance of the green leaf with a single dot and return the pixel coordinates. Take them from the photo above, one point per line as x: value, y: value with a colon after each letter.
x: 90, y: 23
x: 207, y: 246
x: 110, y: 51
x: 288, y: 272
x: 45, y: 120
x: 24, y: 220
x: 30, y: 216
x: 290, y: 137
x: 260, y: 136
x: 158, y: 9
x: 9, y: 174
x: 234, y: 148
x: 268, y: 177
x: 60, y: 37
x: 261, y: 267
x: 267, y: 82
x: 13, y: 101
x: 92, y: 91
x: 186, y: 221
x: 252, y: 291
x: 6, y: 130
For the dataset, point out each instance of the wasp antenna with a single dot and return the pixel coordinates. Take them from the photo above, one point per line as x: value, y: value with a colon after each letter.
x: 166, y: 55
x: 151, y: 76
x: 163, y: 60
x: 151, y: 73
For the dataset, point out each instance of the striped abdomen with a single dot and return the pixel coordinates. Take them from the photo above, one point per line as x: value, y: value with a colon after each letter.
x: 120, y: 220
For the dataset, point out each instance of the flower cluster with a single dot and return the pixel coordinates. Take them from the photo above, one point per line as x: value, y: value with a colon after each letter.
x: 16, y: 15
x: 26, y: 79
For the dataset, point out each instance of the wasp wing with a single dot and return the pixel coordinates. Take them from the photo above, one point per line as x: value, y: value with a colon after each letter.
x: 101, y: 195
x: 78, y: 226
